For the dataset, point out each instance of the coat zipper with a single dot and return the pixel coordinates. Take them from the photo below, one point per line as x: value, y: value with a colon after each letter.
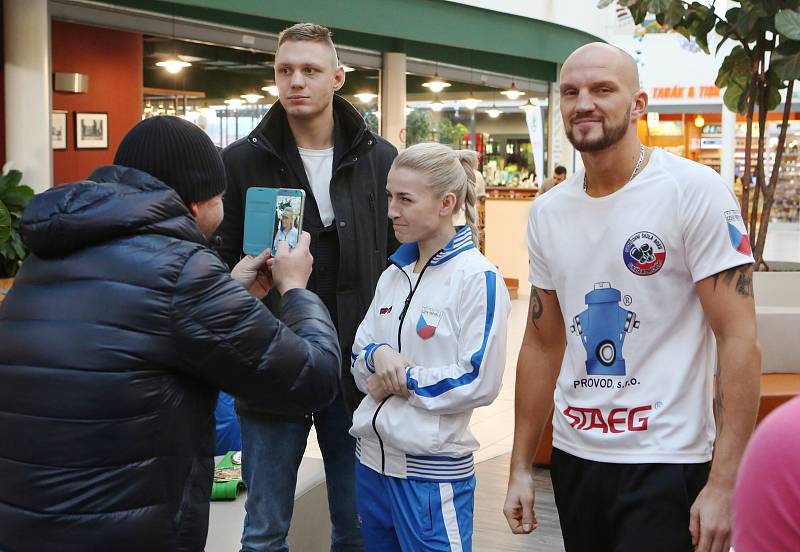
x: 407, y: 303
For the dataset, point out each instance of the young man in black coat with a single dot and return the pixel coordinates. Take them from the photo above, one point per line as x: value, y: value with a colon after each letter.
x: 119, y: 330
x: 316, y: 141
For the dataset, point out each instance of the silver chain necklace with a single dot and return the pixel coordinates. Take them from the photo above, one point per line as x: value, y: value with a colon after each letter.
x: 635, y: 169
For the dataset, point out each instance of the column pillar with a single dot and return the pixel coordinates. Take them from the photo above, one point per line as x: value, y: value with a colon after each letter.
x: 26, y: 32
x: 727, y: 165
x: 393, y: 99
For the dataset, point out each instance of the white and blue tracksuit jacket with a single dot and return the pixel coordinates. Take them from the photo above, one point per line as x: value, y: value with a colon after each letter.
x: 452, y: 325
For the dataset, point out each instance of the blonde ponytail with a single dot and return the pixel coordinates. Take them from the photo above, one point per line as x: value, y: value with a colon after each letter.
x: 469, y: 162
x: 449, y: 171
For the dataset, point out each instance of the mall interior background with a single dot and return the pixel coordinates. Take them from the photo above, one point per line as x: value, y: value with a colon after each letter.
x: 484, y: 49
x: 226, y: 90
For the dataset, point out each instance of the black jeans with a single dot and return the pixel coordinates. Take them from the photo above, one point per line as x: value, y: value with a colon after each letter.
x: 606, y: 507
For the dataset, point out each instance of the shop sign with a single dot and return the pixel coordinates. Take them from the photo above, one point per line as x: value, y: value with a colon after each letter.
x: 684, y: 92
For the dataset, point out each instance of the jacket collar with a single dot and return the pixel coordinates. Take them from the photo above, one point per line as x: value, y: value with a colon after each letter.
x: 408, y: 253
x: 274, y: 134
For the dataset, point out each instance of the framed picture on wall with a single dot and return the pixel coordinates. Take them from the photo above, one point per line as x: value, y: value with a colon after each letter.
x: 91, y: 130
x: 58, y: 130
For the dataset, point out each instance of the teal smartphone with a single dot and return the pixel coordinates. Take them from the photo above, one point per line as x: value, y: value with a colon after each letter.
x: 272, y: 215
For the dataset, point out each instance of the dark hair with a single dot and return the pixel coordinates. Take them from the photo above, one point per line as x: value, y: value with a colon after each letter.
x: 560, y: 170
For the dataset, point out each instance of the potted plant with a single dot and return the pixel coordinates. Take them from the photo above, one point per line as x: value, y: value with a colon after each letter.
x: 765, y: 61
x: 14, y: 197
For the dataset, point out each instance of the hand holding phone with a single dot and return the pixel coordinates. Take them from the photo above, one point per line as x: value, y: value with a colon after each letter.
x: 291, y: 268
x: 254, y: 274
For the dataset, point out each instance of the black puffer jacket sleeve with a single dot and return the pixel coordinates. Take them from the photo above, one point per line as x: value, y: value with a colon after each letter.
x: 228, y: 338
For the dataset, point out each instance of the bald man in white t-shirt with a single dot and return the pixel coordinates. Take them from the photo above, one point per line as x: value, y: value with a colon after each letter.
x: 641, y: 265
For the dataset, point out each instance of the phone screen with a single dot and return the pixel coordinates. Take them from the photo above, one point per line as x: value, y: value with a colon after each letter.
x: 272, y: 215
x: 288, y: 217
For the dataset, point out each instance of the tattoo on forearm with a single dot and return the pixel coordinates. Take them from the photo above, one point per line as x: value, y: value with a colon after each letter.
x: 537, y: 307
x: 742, y: 275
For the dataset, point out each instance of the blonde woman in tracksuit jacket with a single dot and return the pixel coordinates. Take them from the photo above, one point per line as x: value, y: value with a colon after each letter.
x: 431, y: 349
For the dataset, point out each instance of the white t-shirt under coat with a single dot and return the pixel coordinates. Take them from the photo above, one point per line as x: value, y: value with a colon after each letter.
x: 319, y: 169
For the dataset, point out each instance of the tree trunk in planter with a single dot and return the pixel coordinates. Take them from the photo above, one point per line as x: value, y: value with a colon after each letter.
x: 5, y: 285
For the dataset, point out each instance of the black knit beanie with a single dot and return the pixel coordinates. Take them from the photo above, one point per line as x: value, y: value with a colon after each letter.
x: 176, y: 152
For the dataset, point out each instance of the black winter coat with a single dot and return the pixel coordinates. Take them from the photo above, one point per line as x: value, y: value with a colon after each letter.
x: 114, y: 339
x: 350, y: 256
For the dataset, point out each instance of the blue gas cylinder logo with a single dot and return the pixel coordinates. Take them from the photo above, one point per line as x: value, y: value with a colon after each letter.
x: 644, y: 253
x: 602, y: 328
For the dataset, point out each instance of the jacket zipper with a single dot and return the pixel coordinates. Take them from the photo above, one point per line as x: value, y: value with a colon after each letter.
x: 378, y: 435
x: 407, y: 303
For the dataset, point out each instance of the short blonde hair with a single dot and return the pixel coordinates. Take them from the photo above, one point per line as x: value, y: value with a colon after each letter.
x: 309, y: 32
x: 448, y: 171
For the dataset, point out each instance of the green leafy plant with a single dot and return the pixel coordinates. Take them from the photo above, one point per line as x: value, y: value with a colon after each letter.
x: 418, y: 127
x: 765, y: 60
x: 14, y: 197
x: 450, y: 133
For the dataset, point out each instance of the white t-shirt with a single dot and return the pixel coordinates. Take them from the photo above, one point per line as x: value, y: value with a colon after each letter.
x: 319, y: 168
x: 636, y: 381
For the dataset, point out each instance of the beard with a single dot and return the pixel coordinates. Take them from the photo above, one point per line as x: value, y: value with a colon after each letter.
x: 611, y: 135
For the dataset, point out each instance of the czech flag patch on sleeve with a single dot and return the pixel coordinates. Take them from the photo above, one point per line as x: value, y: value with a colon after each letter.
x: 737, y: 232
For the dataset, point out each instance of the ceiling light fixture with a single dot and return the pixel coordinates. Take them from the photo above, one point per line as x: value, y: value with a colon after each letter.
x: 471, y: 102
x: 528, y: 105
x: 174, y: 64
x: 436, y: 84
x: 513, y: 93
x: 272, y: 90
x: 437, y: 104
x: 252, y: 97
x: 348, y: 69
x: 234, y: 102
x: 365, y: 97
x: 408, y: 110
x: 494, y: 113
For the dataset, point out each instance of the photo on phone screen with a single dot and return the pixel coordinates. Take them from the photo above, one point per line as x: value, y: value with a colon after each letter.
x: 288, y: 217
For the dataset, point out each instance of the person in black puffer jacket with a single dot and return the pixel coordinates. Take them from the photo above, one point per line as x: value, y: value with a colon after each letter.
x: 119, y: 330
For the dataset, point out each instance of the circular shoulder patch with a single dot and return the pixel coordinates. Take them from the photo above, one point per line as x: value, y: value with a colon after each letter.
x: 644, y: 253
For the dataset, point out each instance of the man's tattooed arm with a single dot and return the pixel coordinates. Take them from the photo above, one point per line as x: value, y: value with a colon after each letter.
x: 741, y: 275
x: 537, y: 307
